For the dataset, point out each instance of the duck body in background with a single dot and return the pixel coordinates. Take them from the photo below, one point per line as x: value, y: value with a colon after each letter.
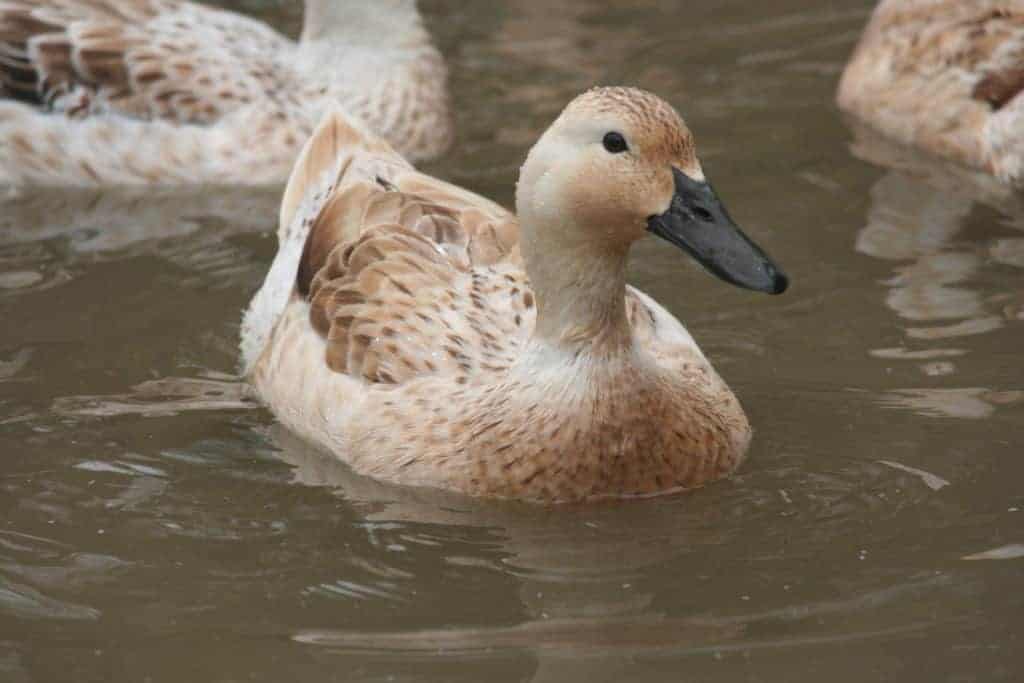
x: 945, y: 76
x: 112, y: 92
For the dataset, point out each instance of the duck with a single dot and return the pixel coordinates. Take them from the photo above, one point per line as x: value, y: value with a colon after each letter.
x: 944, y: 76
x: 426, y: 336
x: 169, y: 92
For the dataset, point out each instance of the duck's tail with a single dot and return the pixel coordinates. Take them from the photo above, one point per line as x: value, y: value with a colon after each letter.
x: 340, y: 145
x: 322, y: 164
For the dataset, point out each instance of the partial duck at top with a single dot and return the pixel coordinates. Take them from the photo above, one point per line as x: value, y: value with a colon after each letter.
x: 945, y: 76
x: 427, y: 336
x: 96, y: 92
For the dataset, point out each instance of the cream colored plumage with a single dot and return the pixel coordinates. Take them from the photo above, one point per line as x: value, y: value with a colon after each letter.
x: 945, y: 76
x: 99, y: 92
x: 398, y: 328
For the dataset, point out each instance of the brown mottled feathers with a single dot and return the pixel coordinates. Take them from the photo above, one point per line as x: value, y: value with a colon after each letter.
x: 368, y: 301
x: 647, y: 111
x: 980, y: 39
x: 147, y: 59
x: 945, y: 76
x: 406, y: 274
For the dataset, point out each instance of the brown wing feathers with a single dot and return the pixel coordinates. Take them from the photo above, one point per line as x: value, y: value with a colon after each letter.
x: 365, y: 298
x: 19, y: 24
x: 46, y: 52
x: 395, y: 286
x: 140, y: 58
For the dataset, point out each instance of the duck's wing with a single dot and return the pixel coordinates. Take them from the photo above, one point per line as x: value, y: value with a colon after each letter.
x: 932, y: 72
x: 404, y: 274
x: 148, y: 59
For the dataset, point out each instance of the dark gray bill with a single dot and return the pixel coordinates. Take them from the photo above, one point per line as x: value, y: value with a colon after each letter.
x: 697, y: 222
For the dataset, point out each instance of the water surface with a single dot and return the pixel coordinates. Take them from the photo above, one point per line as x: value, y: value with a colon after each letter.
x: 155, y: 526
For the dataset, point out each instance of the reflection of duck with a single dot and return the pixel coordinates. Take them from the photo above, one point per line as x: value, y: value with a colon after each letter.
x: 916, y: 217
x: 970, y: 403
x: 174, y: 92
x: 593, y: 581
x: 909, y: 220
x: 103, y: 221
x: 578, y: 575
x: 944, y: 75
x: 412, y: 344
x: 58, y: 230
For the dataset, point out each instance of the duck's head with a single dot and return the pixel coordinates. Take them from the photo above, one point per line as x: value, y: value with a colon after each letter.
x: 619, y: 163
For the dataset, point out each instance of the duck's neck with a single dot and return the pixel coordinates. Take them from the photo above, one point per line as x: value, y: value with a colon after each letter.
x: 580, y: 288
x: 357, y: 23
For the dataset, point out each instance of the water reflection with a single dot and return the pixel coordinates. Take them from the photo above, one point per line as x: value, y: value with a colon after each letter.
x: 72, y: 253
x: 101, y: 222
x: 969, y: 402
x: 922, y: 216
x: 163, y: 398
x: 590, y: 580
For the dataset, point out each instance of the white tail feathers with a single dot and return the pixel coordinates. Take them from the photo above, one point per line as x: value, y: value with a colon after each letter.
x: 323, y: 160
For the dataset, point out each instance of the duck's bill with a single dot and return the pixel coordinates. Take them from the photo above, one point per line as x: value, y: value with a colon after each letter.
x: 698, y: 223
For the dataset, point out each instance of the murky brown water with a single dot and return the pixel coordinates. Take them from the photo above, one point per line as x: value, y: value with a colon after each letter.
x: 155, y: 528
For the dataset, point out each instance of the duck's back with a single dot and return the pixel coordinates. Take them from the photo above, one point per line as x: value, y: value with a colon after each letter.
x: 117, y: 92
x: 112, y: 92
x: 387, y: 259
x: 944, y: 75
x: 144, y: 59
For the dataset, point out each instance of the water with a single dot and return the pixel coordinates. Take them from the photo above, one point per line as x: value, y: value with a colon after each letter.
x: 156, y: 526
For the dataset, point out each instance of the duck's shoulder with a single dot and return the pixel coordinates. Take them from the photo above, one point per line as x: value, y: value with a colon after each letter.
x: 149, y: 59
x: 403, y: 274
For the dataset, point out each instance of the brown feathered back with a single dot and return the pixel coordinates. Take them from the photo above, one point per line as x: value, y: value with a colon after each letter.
x: 149, y: 59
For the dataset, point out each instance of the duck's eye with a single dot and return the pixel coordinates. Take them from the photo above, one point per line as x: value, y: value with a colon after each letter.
x: 615, y: 143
